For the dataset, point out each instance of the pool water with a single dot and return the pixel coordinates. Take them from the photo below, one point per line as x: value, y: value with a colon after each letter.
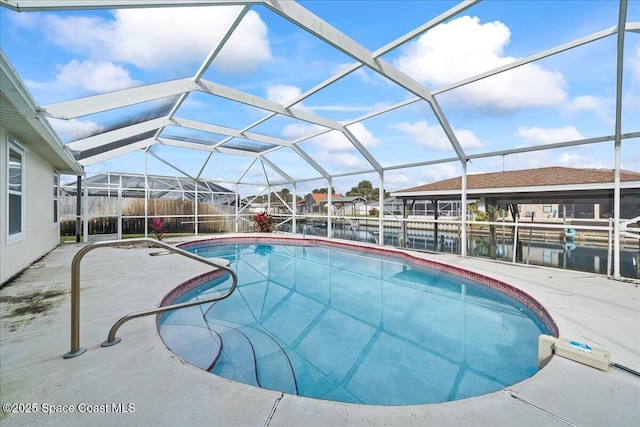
x: 341, y: 325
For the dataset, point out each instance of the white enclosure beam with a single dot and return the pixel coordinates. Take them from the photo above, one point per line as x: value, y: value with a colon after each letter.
x: 237, y: 152
x: 205, y: 65
x: 300, y: 16
x: 498, y: 70
x: 171, y: 165
x: 88, y: 161
x: 622, y: 17
x: 265, y: 104
x: 44, y: 5
x: 220, y: 43
x: 277, y: 170
x: 448, y: 130
x: 387, y: 48
x: 118, y: 134
x: 193, y: 124
x: 207, y: 62
x: 549, y: 52
x: 346, y: 71
x: 312, y: 162
x: 185, y: 144
x: 322, y: 30
x: 203, y: 147
x: 204, y: 165
x: 381, y: 209
x: 460, y: 7
x: 365, y: 153
x: 120, y: 98
x: 463, y: 208
x: 19, y: 97
x: 543, y: 147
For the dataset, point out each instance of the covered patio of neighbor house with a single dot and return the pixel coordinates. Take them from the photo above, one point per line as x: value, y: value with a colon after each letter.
x: 525, y: 192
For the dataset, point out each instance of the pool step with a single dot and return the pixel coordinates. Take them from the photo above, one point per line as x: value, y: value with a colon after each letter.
x: 251, y: 356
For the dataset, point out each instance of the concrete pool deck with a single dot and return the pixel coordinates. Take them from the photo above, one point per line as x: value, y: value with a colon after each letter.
x: 140, y: 383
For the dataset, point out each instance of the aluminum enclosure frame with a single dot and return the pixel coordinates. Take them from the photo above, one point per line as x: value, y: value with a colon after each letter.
x: 147, y: 134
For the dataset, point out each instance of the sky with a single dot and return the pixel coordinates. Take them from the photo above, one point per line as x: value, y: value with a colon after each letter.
x: 565, y: 97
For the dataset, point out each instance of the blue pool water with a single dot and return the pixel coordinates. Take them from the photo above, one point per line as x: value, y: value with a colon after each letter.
x: 328, y: 323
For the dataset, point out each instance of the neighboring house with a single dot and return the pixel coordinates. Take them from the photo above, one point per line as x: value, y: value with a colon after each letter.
x: 273, y: 208
x: 551, y: 192
x: 350, y: 206
x: 279, y: 208
x: 315, y: 203
x: 31, y: 155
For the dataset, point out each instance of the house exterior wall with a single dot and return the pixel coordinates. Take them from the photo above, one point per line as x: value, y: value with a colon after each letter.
x: 41, y: 234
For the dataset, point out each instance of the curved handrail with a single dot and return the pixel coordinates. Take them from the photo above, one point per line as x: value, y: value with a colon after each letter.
x: 75, y: 289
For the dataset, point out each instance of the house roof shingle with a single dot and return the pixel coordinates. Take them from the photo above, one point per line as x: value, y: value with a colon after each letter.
x: 321, y: 197
x: 541, y: 177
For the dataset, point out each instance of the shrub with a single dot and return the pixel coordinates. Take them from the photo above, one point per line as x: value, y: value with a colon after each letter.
x: 264, y: 222
x: 158, y: 226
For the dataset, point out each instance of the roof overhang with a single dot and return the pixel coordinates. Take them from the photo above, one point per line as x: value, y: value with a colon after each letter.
x: 22, y: 120
x: 574, y: 193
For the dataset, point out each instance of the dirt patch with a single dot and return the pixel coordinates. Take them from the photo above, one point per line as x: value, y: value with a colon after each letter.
x: 23, y: 309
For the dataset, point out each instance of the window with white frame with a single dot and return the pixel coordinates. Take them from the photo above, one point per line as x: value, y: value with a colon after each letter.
x: 15, y: 192
x: 56, y: 196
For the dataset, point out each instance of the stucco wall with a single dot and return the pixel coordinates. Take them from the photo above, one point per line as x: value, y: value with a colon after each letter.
x: 41, y: 235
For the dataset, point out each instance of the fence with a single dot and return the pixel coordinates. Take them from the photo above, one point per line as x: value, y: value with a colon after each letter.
x: 540, y: 243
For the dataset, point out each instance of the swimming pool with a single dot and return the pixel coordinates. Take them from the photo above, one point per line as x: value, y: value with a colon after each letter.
x: 329, y: 321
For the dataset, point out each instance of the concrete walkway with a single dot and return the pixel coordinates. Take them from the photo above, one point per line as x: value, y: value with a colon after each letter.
x: 140, y: 383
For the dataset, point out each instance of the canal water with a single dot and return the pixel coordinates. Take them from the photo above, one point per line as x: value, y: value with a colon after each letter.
x: 557, y: 254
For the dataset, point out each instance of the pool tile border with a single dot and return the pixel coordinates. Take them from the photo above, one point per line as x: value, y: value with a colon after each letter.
x: 519, y: 295
x: 187, y: 286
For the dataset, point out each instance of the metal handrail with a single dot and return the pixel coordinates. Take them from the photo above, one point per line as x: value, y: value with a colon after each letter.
x: 76, y: 350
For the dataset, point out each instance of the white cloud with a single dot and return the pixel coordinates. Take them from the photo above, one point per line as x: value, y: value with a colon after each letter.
x: 342, y: 108
x: 337, y: 141
x: 340, y: 159
x: 537, y: 136
x: 599, y: 106
x: 359, y: 72
x: 95, y: 77
x: 283, y: 94
x: 434, y: 137
x: 540, y: 159
x: 467, y: 138
x: 399, y: 180
x: 72, y: 130
x: 574, y: 160
x: 462, y: 48
x: 430, y: 136
x: 25, y: 20
x: 299, y: 130
x: 438, y: 172
x: 364, y: 135
x: 632, y: 95
x: 573, y: 157
x: 333, y: 140
x: 163, y: 39
x: 77, y: 78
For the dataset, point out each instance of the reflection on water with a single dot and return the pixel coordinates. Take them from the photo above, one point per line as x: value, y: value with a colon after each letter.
x: 569, y: 255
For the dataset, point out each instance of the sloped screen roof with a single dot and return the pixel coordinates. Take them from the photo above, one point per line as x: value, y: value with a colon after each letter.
x: 317, y: 90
